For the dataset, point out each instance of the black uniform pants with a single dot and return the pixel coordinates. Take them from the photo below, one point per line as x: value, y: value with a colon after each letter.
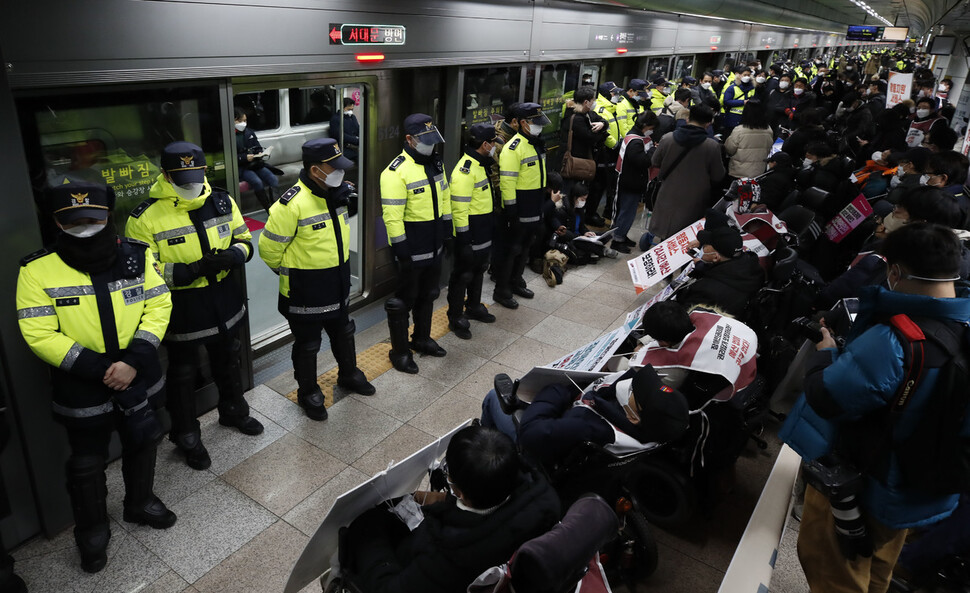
x: 183, y: 369
x: 418, y: 287
x: 307, y: 339
x: 516, y: 245
x: 466, y: 279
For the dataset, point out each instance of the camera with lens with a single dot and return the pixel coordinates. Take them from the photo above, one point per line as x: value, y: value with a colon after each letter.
x: 807, y: 328
x: 833, y: 477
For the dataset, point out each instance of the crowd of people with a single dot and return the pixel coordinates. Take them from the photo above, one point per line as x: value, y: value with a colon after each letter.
x: 869, y: 198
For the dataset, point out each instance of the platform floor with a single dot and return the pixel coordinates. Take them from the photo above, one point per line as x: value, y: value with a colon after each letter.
x: 243, y: 523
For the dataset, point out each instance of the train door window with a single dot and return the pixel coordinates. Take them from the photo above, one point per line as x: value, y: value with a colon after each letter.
x: 262, y: 109
x: 658, y: 67
x: 557, y: 83
x: 352, y: 122
x: 590, y: 74
x: 312, y: 105
x: 683, y: 66
x: 116, y: 137
x: 487, y: 93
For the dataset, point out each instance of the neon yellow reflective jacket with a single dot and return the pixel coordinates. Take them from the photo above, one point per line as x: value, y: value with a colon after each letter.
x: 416, y: 204
x: 471, y: 201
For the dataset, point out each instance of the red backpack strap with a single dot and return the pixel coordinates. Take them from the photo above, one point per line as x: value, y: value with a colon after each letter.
x: 914, y: 354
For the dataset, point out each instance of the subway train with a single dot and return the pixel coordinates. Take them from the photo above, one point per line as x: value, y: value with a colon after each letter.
x: 95, y: 90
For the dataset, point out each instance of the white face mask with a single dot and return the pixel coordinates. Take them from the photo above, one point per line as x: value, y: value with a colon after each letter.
x: 807, y: 162
x: 240, y: 126
x: 921, y: 113
x: 706, y: 86
x: 615, y: 99
x: 745, y: 79
x: 535, y: 129
x: 83, y: 231
x: 891, y: 223
x: 580, y: 203
x: 760, y: 80
x: 425, y: 149
x: 783, y: 84
x: 922, y: 93
x: 924, y: 179
x: 335, y: 178
x: 941, y: 88
x: 624, y: 397
x: 877, y: 156
x: 492, y: 151
x: 189, y: 191
x: 350, y: 111
x: 799, y: 91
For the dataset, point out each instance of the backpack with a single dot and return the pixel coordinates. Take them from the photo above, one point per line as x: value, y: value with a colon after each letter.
x: 935, y: 458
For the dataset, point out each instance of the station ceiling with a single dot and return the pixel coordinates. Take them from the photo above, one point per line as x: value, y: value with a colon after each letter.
x: 918, y: 15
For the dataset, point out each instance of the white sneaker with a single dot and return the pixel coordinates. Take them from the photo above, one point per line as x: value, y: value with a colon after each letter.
x: 609, y: 252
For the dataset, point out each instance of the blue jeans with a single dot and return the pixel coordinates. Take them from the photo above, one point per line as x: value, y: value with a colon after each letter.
x: 626, y: 204
x: 494, y: 417
x: 259, y: 178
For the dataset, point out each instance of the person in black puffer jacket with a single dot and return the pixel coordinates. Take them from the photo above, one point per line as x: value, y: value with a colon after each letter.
x: 725, y: 277
x: 497, y: 503
x: 778, y: 182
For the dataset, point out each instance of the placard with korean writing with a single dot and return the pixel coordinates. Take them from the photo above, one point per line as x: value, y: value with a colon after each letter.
x: 900, y: 87
x: 848, y: 219
x: 661, y: 261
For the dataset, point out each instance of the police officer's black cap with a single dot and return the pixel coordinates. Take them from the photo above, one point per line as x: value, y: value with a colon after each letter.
x: 531, y: 111
x: 184, y: 162
x: 422, y: 128
x: 638, y: 84
x: 325, y: 150
x: 72, y: 201
x: 482, y: 133
x: 608, y: 88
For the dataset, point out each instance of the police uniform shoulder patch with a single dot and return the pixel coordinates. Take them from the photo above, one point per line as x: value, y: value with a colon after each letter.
x: 396, y: 163
x: 222, y: 202
x: 134, y: 242
x: 289, y: 194
x: 35, y: 255
x: 140, y: 208
x: 466, y: 167
x: 514, y: 143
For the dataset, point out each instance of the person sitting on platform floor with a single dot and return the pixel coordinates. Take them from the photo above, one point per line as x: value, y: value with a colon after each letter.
x: 724, y: 277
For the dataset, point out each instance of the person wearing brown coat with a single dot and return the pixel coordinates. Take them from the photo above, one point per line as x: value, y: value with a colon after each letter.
x: 686, y: 190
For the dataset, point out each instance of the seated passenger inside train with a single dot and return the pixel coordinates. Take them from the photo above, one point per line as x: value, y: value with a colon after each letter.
x: 623, y: 414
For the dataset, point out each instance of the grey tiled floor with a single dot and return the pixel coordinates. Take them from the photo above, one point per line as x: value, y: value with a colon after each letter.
x: 243, y: 523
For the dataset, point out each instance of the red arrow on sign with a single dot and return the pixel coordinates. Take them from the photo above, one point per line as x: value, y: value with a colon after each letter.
x: 335, y: 35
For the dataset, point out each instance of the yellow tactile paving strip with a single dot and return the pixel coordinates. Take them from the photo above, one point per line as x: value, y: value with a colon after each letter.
x: 374, y: 361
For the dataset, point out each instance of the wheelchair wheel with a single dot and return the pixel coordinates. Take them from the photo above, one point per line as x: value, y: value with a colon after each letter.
x: 663, y: 493
x: 636, y: 536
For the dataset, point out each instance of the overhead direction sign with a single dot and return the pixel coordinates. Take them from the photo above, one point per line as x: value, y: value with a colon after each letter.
x: 361, y: 34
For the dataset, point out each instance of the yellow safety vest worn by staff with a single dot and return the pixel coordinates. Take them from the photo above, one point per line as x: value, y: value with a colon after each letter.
x: 626, y: 111
x: 745, y: 95
x: 416, y: 204
x: 605, y: 109
x: 523, y: 178
x: 80, y: 326
x: 471, y: 201
x: 180, y: 232
x: 307, y: 242
x: 656, y: 100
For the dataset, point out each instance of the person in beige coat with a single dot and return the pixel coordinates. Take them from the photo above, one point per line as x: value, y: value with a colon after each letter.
x: 749, y: 143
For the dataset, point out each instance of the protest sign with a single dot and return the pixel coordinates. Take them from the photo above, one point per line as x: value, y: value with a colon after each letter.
x: 900, y: 87
x: 661, y: 260
x: 848, y: 219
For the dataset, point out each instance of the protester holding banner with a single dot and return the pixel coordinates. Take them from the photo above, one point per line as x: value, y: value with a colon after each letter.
x: 724, y: 276
x: 923, y: 121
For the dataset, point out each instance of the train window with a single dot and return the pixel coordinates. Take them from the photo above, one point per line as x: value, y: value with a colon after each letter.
x: 683, y: 66
x: 262, y: 109
x: 658, y: 67
x: 312, y: 105
x: 487, y: 92
x: 116, y: 137
x: 557, y: 83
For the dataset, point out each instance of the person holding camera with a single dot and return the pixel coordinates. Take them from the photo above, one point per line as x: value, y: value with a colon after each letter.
x: 880, y: 425
x: 94, y: 307
x: 307, y: 243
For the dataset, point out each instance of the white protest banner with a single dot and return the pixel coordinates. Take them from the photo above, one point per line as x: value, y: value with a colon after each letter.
x: 900, y: 87
x: 848, y: 219
x: 661, y: 261
x: 593, y: 356
x: 398, y: 480
x: 719, y: 345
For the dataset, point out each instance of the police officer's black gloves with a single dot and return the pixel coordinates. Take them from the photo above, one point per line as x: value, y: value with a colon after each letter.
x: 91, y: 365
x: 353, y: 203
x: 511, y: 216
x: 449, y: 244
x: 185, y: 274
x: 404, y: 265
x: 4, y: 429
x: 217, y: 261
x: 463, y: 249
x: 139, y: 425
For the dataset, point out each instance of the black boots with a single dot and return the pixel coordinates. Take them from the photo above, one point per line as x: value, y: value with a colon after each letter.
x: 226, y: 373
x: 86, y: 485
x: 141, y: 504
x: 421, y: 339
x: 308, y: 393
x: 190, y: 445
x: 180, y: 401
x: 345, y: 351
x: 397, y: 324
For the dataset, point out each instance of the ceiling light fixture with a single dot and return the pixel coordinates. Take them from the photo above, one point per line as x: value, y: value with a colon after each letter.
x: 871, y: 12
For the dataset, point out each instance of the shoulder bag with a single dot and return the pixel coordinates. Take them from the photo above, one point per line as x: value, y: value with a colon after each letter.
x: 575, y: 167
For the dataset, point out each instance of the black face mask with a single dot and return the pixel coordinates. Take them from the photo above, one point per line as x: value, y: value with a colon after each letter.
x: 89, y: 254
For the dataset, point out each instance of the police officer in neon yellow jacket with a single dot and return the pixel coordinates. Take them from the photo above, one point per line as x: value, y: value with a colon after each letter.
x: 198, y: 237
x: 522, y: 170
x: 307, y: 242
x: 95, y: 308
x: 474, y: 224
x: 416, y: 205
